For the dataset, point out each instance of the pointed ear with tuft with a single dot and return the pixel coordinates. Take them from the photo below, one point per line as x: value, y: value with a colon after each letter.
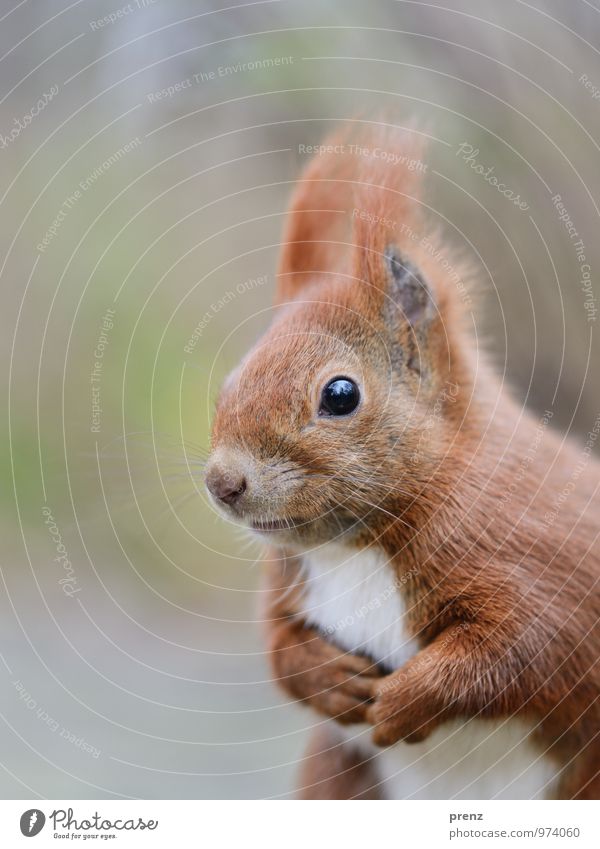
x: 408, y: 293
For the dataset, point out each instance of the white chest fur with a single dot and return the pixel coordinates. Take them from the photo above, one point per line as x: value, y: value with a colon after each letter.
x: 354, y: 599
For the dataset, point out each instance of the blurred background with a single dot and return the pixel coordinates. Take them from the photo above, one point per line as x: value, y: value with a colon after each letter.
x: 147, y: 154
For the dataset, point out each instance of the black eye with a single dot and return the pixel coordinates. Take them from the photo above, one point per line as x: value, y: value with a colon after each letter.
x: 339, y: 397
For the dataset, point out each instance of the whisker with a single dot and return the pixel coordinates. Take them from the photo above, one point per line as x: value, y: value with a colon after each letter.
x: 172, y: 508
x: 365, y: 476
x: 181, y: 476
x: 158, y: 438
x: 192, y: 464
x: 390, y: 489
x: 304, y: 475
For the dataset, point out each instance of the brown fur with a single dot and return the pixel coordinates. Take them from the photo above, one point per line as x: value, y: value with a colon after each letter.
x: 439, y: 467
x: 334, y: 770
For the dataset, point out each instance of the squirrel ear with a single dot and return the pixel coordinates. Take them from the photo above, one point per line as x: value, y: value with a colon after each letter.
x: 407, y: 288
x: 315, y: 235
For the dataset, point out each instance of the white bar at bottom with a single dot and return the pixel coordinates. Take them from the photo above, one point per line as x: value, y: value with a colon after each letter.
x: 300, y: 825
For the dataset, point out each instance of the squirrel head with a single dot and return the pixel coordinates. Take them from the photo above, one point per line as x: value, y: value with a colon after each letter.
x: 335, y: 421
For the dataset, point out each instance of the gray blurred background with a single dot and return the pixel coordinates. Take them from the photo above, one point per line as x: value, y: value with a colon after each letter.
x: 136, y: 203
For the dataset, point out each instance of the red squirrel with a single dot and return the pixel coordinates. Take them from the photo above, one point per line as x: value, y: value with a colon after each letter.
x: 434, y: 587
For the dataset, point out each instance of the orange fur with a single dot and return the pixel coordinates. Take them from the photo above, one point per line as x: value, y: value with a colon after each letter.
x: 439, y: 467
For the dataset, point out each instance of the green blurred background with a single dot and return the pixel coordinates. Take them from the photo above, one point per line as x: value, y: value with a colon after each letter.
x: 143, y: 673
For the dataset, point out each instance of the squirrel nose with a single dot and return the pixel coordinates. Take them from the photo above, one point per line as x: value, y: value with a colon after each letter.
x: 226, y: 486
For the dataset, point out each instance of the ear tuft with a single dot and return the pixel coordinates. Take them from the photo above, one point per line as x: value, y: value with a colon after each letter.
x: 408, y: 289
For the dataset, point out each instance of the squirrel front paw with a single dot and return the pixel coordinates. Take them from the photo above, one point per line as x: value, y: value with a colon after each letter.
x: 335, y: 683
x: 399, y: 712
